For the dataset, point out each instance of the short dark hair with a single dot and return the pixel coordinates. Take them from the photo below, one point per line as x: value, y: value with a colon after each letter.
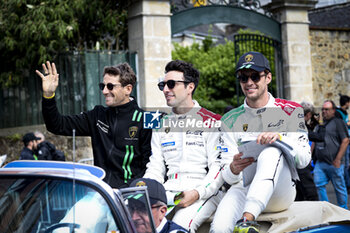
x: 28, y: 137
x: 190, y: 73
x: 343, y: 99
x: 125, y: 72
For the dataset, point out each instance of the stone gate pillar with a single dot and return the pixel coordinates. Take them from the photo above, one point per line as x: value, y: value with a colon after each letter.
x: 293, y: 17
x: 150, y: 36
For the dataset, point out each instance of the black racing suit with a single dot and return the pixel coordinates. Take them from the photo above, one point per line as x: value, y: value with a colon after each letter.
x: 121, y: 146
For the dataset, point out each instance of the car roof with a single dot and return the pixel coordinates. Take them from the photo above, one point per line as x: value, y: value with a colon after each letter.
x: 67, y: 170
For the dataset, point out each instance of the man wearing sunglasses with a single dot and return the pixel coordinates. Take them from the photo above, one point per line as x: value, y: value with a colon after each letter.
x: 330, y: 155
x: 158, y: 202
x: 186, y: 158
x: 121, y: 146
x: 262, y: 119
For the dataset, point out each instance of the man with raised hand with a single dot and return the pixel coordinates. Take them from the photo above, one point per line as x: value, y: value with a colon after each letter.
x: 120, y: 144
x: 268, y: 178
x: 185, y: 156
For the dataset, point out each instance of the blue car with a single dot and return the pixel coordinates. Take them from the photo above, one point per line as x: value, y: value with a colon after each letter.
x: 60, y: 197
x: 45, y: 197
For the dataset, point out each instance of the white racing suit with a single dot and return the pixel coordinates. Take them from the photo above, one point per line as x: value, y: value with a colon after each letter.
x: 272, y: 188
x: 187, y: 157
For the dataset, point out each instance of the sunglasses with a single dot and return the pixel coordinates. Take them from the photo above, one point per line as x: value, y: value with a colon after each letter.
x: 156, y: 206
x: 255, y: 77
x: 170, y: 83
x: 110, y: 86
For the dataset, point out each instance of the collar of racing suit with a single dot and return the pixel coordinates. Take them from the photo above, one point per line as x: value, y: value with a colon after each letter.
x: 258, y: 111
x: 192, y: 111
x: 125, y: 107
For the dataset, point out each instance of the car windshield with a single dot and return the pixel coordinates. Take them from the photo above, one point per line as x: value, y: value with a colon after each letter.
x: 137, y: 201
x: 46, y: 205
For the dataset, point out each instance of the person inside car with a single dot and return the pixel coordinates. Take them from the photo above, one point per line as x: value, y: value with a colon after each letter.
x: 158, y: 200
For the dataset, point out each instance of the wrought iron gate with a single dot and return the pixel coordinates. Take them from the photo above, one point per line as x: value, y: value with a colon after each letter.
x: 272, y: 51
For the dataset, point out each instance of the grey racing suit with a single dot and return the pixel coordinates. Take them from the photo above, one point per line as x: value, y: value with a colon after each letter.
x: 271, y: 188
x: 186, y: 155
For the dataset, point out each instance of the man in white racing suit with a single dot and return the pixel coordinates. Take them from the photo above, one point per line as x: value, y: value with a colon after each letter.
x: 268, y: 174
x: 186, y: 155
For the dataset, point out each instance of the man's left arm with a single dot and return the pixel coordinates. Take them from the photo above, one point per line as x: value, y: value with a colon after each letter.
x: 344, y: 137
x: 213, y: 180
x: 220, y: 150
x: 341, y: 152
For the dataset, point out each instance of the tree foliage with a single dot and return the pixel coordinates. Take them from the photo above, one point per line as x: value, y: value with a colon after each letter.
x: 33, y: 31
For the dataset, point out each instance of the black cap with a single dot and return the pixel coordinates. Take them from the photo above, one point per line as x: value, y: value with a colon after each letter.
x: 156, y: 190
x: 253, y: 60
x: 29, y: 137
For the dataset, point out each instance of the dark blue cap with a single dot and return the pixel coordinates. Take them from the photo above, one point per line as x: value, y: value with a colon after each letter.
x: 29, y: 137
x: 156, y: 191
x: 253, y: 60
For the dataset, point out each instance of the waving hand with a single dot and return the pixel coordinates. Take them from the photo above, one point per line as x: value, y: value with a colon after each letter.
x: 49, y: 79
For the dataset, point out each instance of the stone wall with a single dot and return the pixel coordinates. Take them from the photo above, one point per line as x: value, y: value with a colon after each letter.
x: 11, y: 143
x: 330, y: 56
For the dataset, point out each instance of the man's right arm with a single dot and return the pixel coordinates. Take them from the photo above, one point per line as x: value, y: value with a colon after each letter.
x: 54, y: 121
x: 316, y: 137
x: 156, y: 166
x: 64, y: 125
x: 230, y: 150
